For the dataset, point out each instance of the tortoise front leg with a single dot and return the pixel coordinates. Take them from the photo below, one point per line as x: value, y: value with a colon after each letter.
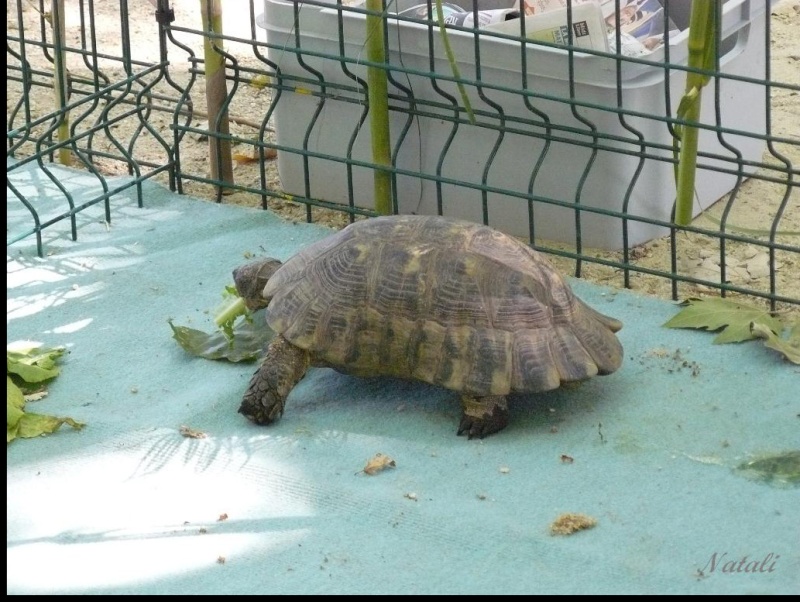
x: 281, y: 369
x: 483, y: 416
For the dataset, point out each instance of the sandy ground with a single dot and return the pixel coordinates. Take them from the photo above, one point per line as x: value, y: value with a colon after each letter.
x: 752, y: 212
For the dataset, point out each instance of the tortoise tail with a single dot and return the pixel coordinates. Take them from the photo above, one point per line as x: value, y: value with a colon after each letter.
x: 596, y: 332
x: 612, y: 324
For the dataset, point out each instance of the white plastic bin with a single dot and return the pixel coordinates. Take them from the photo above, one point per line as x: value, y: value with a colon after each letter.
x: 742, y: 109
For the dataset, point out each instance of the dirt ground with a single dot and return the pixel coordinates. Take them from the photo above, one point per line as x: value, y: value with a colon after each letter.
x: 752, y: 213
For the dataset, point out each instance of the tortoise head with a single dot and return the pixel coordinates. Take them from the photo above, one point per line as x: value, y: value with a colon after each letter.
x: 251, y: 278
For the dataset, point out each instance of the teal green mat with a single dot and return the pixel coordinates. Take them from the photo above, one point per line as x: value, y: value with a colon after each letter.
x: 129, y: 506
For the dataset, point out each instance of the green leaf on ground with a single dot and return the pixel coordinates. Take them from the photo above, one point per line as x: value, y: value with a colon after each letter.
x: 247, y: 343
x: 34, y: 425
x: 789, y: 347
x: 14, y: 408
x: 783, y: 467
x: 30, y: 364
x: 732, y: 318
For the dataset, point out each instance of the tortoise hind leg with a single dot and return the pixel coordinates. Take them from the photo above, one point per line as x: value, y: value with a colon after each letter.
x: 483, y: 416
x: 281, y: 369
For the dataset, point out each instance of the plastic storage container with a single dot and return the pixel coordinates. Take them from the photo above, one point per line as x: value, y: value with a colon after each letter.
x: 329, y: 129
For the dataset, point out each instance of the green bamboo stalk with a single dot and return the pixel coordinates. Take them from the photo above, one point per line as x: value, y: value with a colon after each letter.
x: 60, y: 79
x: 702, y: 33
x: 216, y: 93
x: 451, y: 58
x: 378, y: 83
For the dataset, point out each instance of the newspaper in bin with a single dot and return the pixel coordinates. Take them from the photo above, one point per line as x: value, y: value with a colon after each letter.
x: 594, y: 22
x: 420, y: 11
x: 641, y: 22
x: 455, y: 15
x: 485, y: 17
x: 588, y: 27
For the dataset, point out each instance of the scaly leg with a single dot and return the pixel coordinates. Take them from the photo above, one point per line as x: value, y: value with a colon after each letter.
x: 281, y: 369
x: 483, y: 415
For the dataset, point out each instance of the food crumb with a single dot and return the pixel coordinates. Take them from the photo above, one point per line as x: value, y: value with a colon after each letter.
x: 191, y: 433
x: 378, y: 463
x: 570, y: 523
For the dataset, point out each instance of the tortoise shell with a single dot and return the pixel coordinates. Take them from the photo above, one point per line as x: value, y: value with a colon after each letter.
x: 444, y: 301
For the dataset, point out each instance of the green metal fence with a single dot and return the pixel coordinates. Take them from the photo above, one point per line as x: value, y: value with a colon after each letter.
x: 569, y: 146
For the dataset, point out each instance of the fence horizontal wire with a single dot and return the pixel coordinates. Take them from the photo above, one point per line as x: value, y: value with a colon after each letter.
x: 571, y: 148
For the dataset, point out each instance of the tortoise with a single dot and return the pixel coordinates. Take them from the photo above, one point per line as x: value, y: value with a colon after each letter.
x: 434, y: 299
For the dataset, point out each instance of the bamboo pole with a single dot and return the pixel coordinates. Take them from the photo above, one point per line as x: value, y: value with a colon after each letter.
x: 216, y: 93
x: 451, y: 58
x: 378, y: 97
x: 60, y: 79
x: 702, y: 34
